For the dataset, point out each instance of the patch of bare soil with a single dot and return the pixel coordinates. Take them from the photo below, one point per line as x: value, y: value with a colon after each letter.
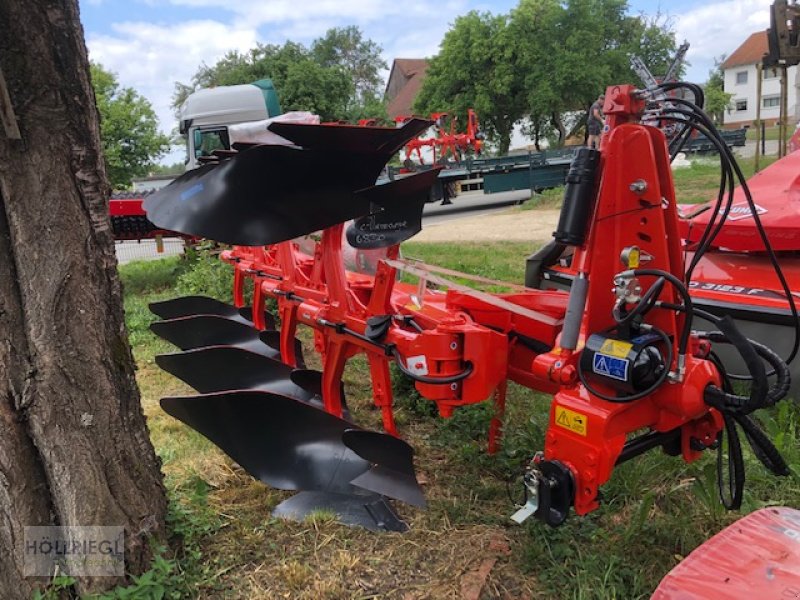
x: 515, y: 225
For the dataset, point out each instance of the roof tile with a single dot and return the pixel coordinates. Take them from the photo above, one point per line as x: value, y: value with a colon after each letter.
x: 750, y: 52
x: 413, y: 70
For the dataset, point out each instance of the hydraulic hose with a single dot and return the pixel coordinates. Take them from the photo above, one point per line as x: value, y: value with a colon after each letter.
x: 431, y: 380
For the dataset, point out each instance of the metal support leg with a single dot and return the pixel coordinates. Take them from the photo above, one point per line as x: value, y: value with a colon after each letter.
x: 332, y: 371
x: 496, y: 425
x: 382, y: 390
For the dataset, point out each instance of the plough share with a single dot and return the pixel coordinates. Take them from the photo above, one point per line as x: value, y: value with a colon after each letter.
x: 617, y: 353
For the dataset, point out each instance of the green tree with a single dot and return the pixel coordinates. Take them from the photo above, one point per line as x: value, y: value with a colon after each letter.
x: 338, y: 78
x: 475, y: 68
x: 310, y: 86
x: 176, y: 169
x: 717, y: 99
x: 360, y: 59
x: 128, y: 128
x: 574, y: 49
x: 301, y: 82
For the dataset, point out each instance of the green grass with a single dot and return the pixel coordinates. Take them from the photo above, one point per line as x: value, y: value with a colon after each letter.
x: 225, y: 544
x: 550, y: 198
x: 503, y: 261
x: 770, y: 133
x: 700, y: 182
x: 693, y: 185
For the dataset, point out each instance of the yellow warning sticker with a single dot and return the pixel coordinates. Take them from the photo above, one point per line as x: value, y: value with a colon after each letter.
x: 574, y: 421
x: 634, y: 257
x: 616, y: 348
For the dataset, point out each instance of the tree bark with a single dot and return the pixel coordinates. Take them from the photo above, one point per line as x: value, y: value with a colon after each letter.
x: 558, y: 125
x: 74, y: 446
x: 503, y: 137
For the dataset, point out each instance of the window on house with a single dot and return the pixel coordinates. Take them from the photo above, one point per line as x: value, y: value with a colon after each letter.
x: 741, y: 105
x: 769, y: 73
x: 741, y: 77
x: 771, y: 101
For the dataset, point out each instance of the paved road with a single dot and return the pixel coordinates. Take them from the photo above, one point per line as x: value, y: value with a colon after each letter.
x: 749, y: 148
x: 466, y: 204
x: 469, y: 204
x: 146, y: 250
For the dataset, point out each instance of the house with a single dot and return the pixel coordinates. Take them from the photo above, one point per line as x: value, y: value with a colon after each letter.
x: 739, y: 71
x: 405, y: 81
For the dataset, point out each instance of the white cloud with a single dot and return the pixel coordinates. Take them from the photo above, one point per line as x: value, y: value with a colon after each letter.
x: 359, y: 12
x: 151, y: 57
x: 718, y: 28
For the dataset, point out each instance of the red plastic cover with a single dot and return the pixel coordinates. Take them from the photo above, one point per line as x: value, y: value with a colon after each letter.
x: 776, y: 193
x: 757, y: 557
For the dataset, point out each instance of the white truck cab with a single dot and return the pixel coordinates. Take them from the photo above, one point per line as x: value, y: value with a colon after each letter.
x: 206, y: 114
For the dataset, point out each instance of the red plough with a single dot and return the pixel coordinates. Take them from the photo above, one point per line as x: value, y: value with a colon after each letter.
x: 447, y: 143
x: 626, y: 371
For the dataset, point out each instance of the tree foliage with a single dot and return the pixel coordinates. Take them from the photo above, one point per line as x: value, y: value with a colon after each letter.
x: 338, y: 77
x: 128, y: 129
x: 360, y: 59
x: 475, y: 68
x: 543, y: 61
x: 717, y: 99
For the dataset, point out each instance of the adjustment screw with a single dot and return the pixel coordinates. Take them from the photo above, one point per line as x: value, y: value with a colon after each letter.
x: 639, y: 186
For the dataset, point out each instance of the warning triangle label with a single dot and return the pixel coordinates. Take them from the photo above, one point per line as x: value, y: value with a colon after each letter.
x: 569, y: 419
x: 600, y: 366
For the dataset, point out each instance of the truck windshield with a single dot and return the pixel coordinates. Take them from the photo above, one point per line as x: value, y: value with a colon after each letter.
x: 210, y: 140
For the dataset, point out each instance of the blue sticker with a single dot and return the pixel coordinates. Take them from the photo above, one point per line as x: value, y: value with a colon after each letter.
x: 192, y: 191
x: 646, y: 338
x: 610, y: 366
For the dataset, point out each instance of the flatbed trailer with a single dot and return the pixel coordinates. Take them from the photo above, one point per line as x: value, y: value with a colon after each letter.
x: 535, y: 171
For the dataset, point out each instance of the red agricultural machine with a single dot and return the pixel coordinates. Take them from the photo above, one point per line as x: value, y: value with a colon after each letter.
x: 627, y: 372
x: 447, y: 143
x: 129, y: 220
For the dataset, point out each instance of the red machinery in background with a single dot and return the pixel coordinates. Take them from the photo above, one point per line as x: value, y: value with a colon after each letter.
x: 129, y: 220
x: 626, y: 371
x: 447, y: 142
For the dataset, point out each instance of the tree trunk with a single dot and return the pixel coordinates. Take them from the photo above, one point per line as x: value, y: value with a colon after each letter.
x: 558, y: 125
x: 74, y: 446
x: 503, y: 138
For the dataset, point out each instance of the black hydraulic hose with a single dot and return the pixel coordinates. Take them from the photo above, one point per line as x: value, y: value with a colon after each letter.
x: 779, y: 366
x: 775, y: 393
x: 679, y: 141
x: 726, y: 159
x: 726, y: 184
x: 708, y: 130
x: 762, y: 447
x: 647, y: 302
x: 698, y: 114
x: 392, y: 349
x: 721, y: 399
x: 699, y: 95
x: 431, y: 380
x: 733, y: 499
x: 687, y: 302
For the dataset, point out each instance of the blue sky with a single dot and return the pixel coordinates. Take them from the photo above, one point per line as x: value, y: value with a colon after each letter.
x: 151, y: 44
